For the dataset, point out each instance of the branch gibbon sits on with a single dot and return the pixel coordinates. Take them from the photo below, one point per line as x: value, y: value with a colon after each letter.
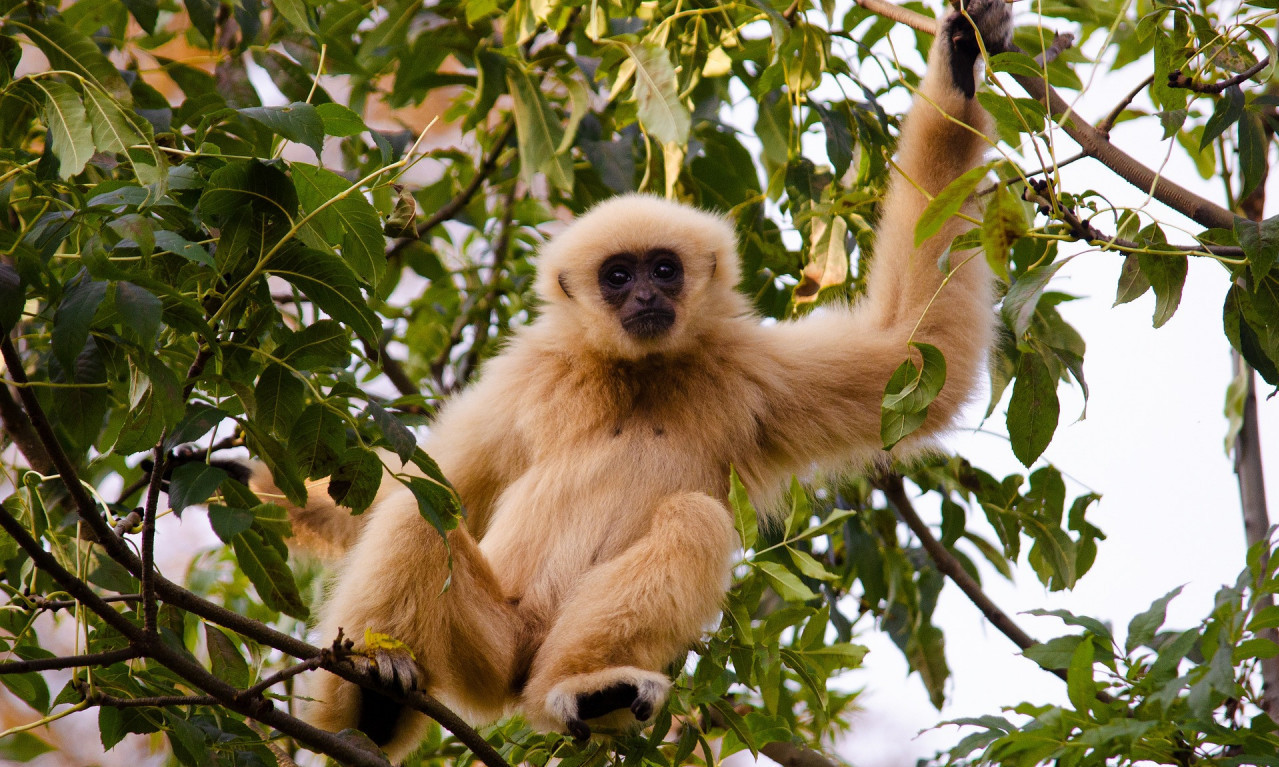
x: 593, y: 454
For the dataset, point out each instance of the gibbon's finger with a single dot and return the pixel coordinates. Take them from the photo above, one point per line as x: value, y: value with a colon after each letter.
x: 642, y: 709
x: 578, y: 729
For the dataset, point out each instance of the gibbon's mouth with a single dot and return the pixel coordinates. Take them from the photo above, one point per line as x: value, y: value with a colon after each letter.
x: 648, y: 324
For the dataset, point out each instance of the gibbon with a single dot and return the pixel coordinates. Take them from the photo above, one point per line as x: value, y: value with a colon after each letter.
x: 593, y: 453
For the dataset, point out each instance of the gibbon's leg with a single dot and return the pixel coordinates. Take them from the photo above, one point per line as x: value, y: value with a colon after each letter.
x: 628, y: 618
x: 463, y: 638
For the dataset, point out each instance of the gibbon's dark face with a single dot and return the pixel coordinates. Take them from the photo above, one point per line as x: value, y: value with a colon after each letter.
x: 643, y: 288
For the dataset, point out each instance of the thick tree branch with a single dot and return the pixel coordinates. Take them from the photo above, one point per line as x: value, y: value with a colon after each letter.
x: 19, y: 428
x: 1091, y: 140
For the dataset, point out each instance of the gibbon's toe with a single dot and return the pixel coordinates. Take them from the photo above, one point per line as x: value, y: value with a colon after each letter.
x: 994, y: 19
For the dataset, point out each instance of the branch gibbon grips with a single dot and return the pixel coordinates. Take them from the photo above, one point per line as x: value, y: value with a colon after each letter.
x: 593, y: 453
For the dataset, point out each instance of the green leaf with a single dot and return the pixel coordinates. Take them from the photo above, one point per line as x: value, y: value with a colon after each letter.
x: 269, y: 573
x: 661, y: 111
x: 1055, y: 653
x: 809, y: 566
x: 23, y: 747
x: 331, y: 284
x: 322, y: 344
x: 1260, y: 242
x: 947, y: 203
x: 1167, y: 275
x: 71, y: 138
x: 1142, y: 627
x: 279, y: 396
x: 228, y: 522
x: 356, y: 480
x: 787, y: 585
x: 225, y: 659
x: 140, y: 310
x: 71, y: 322
x: 30, y: 688
x: 908, y: 394
x: 1080, y: 686
x: 491, y: 67
x: 1132, y: 281
x: 1228, y: 110
x: 317, y: 440
x: 113, y: 128
x: 397, y: 435
x: 1252, y: 152
x: 435, y: 502
x: 70, y: 50
x: 1003, y: 224
x: 176, y: 243
x: 299, y: 122
x: 296, y: 13
x: 744, y: 516
x: 839, y: 139
x: 538, y: 132
x: 737, y: 725
x: 192, y: 484
x: 1022, y: 299
x: 351, y: 220
x: 339, y: 120
x: 1033, y: 409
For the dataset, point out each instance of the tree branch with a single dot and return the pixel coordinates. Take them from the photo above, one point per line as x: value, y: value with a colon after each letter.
x: 451, y: 208
x: 1037, y: 192
x: 1092, y: 141
x: 70, y: 661
x: 261, y: 709
x: 1178, y: 80
x: 19, y: 428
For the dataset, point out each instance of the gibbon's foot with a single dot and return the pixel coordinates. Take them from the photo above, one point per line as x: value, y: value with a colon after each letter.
x: 993, y: 19
x: 590, y: 696
x: 396, y: 668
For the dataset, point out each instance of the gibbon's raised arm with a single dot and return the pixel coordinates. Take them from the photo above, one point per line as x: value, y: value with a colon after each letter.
x: 833, y: 365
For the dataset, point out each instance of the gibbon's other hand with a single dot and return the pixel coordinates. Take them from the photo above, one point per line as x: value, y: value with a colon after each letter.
x: 993, y: 20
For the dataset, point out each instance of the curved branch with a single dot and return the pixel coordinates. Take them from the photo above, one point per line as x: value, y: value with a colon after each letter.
x: 1092, y: 141
x: 895, y: 491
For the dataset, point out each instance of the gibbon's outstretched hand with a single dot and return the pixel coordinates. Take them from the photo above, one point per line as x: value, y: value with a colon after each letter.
x: 593, y: 453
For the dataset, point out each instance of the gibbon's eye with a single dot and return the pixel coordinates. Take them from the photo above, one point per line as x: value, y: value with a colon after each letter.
x: 665, y: 270
x: 617, y: 276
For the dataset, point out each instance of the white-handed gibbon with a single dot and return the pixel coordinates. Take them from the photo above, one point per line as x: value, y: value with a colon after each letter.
x: 593, y: 453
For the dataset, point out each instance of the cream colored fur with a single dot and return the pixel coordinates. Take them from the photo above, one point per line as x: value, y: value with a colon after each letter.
x: 594, y: 466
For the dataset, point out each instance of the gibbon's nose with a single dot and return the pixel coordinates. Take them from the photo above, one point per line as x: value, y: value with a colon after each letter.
x: 646, y: 296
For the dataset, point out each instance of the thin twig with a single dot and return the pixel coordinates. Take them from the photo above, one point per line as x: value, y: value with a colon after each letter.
x: 1108, y: 124
x: 40, y: 603
x: 158, y: 701
x: 310, y: 664
x: 1178, y: 80
x: 105, y: 658
x: 150, y: 610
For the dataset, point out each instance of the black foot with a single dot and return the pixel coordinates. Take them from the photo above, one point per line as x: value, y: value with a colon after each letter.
x: 601, y: 702
x: 379, y: 716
